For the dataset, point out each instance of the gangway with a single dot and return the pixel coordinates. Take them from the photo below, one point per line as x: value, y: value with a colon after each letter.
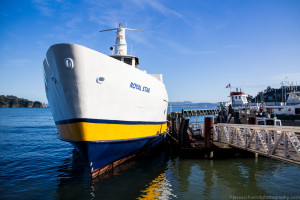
x: 278, y: 142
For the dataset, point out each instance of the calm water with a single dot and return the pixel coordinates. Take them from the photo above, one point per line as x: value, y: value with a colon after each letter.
x: 35, y: 164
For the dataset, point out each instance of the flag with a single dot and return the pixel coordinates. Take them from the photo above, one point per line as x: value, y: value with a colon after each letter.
x: 228, y: 86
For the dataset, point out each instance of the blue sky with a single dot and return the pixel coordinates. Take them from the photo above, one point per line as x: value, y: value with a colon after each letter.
x: 199, y: 46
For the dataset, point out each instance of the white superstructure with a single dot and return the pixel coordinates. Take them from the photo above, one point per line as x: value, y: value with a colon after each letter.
x: 85, y: 84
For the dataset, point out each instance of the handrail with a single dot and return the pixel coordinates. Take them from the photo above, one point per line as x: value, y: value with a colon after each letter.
x: 279, y: 142
x: 264, y: 127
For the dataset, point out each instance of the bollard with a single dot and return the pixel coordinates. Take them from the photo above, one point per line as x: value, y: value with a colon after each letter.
x: 208, y: 131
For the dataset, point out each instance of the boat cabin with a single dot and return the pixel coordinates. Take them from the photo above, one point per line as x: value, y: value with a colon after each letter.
x: 130, y: 60
x: 238, y: 98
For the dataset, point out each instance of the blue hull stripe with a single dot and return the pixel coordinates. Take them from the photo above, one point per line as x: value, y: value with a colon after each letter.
x: 101, y: 154
x: 109, y: 141
x: 105, y: 121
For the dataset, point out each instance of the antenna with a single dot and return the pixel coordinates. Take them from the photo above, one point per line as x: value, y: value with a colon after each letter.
x: 109, y: 30
x: 120, y: 44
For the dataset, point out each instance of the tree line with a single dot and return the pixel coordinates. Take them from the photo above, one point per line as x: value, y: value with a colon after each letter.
x: 11, y: 101
x: 273, y: 94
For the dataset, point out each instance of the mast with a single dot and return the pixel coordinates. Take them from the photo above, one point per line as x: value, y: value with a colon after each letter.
x: 120, y: 44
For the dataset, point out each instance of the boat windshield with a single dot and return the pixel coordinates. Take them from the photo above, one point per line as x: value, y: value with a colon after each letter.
x: 295, y: 95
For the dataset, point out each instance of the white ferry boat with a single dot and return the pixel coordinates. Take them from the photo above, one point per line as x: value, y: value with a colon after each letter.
x: 104, y: 105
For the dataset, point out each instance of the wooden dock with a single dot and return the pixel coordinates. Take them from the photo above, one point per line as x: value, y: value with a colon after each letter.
x: 192, y: 142
x: 211, y: 140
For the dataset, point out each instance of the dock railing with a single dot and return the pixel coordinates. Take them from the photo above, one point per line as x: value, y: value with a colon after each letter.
x: 279, y: 142
x: 196, y: 126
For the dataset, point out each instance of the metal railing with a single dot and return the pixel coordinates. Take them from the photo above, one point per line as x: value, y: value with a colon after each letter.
x: 272, y: 141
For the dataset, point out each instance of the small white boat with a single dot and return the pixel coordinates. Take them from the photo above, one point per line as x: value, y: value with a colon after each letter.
x: 292, y: 105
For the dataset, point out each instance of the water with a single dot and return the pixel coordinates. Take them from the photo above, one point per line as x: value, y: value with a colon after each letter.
x: 35, y: 164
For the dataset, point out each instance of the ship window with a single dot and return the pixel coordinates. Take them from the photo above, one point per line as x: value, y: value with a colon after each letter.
x: 297, y: 111
x: 117, y: 58
x: 270, y: 122
x: 128, y: 61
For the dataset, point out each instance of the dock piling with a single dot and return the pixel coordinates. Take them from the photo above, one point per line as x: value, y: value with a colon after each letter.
x: 208, y: 131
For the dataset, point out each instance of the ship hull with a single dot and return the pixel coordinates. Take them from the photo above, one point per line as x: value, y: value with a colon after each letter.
x: 106, y: 108
x: 105, y: 155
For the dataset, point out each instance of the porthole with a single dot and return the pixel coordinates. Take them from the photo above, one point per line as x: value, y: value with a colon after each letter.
x: 100, y: 79
x: 69, y: 63
x: 53, y: 79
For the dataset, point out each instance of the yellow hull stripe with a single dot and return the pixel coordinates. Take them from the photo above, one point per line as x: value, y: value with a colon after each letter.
x: 85, y: 131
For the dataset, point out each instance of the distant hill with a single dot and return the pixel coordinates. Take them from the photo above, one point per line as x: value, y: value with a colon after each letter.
x: 190, y: 104
x: 10, y: 101
x: 180, y: 103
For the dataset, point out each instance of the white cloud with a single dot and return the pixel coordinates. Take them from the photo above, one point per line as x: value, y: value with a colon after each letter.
x: 74, y: 23
x: 16, y: 63
x: 44, y: 7
x: 158, y: 7
x: 234, y: 46
x: 182, y: 49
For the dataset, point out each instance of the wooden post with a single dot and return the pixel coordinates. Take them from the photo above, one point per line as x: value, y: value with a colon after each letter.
x: 236, y: 117
x: 185, y: 136
x: 173, y: 129
x: 180, y: 133
x: 208, y: 131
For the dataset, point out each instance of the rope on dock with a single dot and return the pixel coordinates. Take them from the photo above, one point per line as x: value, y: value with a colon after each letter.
x: 172, y: 137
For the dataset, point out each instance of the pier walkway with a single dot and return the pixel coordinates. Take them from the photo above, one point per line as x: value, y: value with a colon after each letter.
x: 190, y: 113
x: 278, y: 142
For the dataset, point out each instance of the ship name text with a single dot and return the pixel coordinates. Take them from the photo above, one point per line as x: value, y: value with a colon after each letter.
x: 139, y: 87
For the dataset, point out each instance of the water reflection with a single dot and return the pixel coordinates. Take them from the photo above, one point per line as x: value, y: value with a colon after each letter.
x: 126, y: 180
x: 162, y: 177
x: 154, y: 189
x: 218, y: 179
x: 74, y: 178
